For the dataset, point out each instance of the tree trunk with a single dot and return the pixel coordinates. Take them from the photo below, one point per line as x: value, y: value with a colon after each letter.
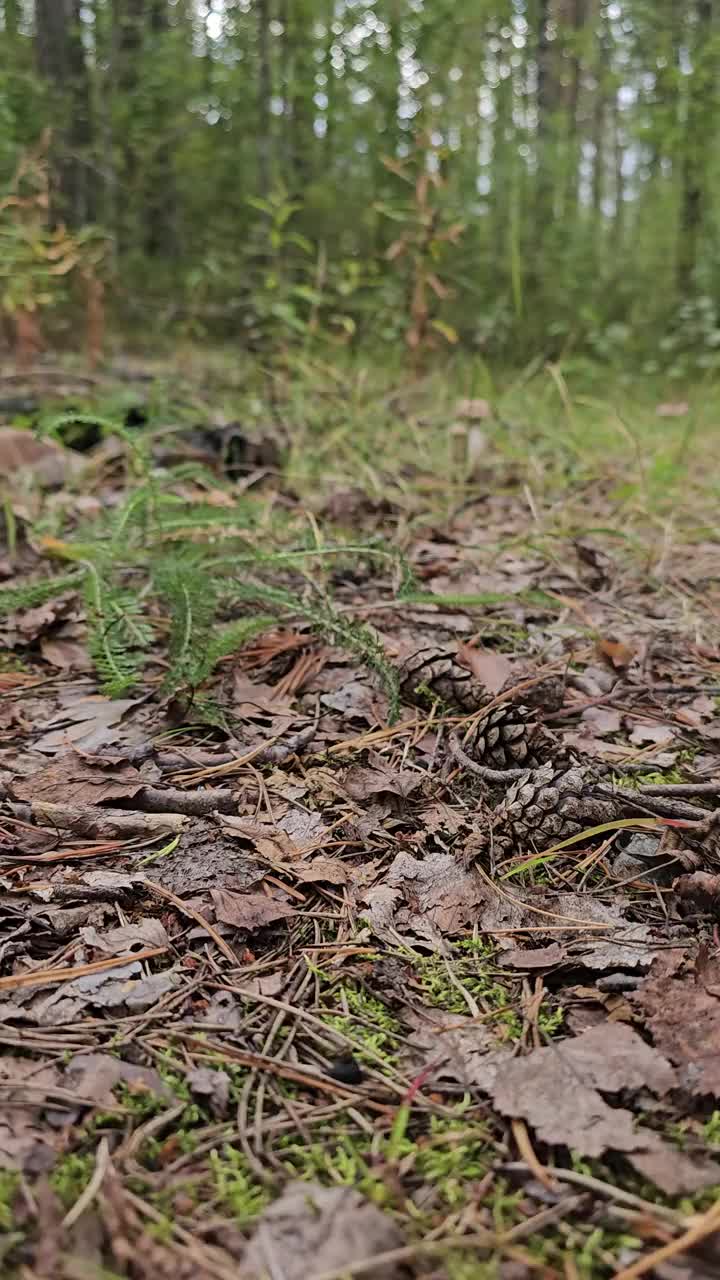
x: 61, y: 61
x: 264, y: 96
x: 700, y: 121
x: 161, y: 201
x: 11, y: 15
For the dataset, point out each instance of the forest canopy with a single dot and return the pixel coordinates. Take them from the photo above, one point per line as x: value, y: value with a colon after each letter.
x: 516, y: 178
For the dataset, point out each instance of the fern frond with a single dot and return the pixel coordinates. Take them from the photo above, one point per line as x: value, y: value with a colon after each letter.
x: 117, y: 636
x: 29, y: 594
x: 232, y: 636
x: 346, y: 633
x: 192, y: 597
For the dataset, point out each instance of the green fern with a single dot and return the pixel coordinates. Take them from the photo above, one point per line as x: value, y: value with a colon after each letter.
x: 117, y: 636
x: 197, y: 642
x: 346, y: 633
x: 158, y: 547
x: 29, y: 594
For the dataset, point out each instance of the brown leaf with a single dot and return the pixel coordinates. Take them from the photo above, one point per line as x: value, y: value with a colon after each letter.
x: 25, y: 1145
x: 619, y: 944
x: 329, y: 870
x: 70, y: 780
x: 454, y: 1046
x: 700, y: 888
x: 612, y: 1057
x: 146, y: 932
x: 66, y: 655
x: 533, y: 957
x: 673, y: 1171
x: 253, y: 700
x: 310, y: 1228
x: 248, y: 910
x: 90, y: 719
x: 602, y: 720
x: 212, y: 1085
x: 95, y: 1076
x: 683, y: 1015
x: 361, y: 783
x: 617, y: 652
x: 652, y: 732
x: 430, y: 898
x: 124, y: 986
x: 47, y: 463
x: 493, y: 669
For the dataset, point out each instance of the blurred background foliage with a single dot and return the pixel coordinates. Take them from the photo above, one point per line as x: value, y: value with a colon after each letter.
x: 517, y: 178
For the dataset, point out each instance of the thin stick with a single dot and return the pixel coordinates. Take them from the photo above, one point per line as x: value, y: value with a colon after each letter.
x: 187, y: 910
x: 705, y: 1226
x: 83, y: 1202
x: 48, y: 977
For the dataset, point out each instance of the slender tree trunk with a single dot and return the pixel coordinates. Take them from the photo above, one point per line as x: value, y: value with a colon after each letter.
x: 700, y: 121
x: 264, y: 96
x: 619, y: 215
x: 61, y: 61
x: 546, y: 106
x: 11, y: 15
x: 161, y: 232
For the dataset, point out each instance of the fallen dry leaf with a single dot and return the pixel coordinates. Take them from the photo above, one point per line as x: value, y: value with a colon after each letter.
x: 26, y: 1144
x: 70, y: 780
x: 248, y: 910
x: 533, y: 957
x: 682, y: 1012
x: 42, y: 461
x: 492, y: 668
x: 145, y: 932
x: 360, y: 783
x: 126, y: 987
x: 429, y: 899
x: 311, y: 1229
x: 617, y: 652
x: 83, y: 722
x: 611, y: 1057
x: 329, y: 870
x: 212, y: 1086
x: 602, y: 720
x: 451, y: 1047
x: 94, y: 1076
x: 651, y: 732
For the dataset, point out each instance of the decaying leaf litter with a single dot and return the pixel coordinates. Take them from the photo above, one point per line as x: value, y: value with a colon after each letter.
x: 300, y: 982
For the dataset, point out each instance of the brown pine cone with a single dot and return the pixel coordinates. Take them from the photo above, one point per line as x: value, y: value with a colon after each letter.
x: 433, y: 675
x: 548, y: 695
x: 544, y: 806
x: 508, y: 738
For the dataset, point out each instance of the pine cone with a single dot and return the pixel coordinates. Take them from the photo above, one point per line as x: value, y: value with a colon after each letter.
x: 548, y: 695
x: 551, y: 804
x: 434, y: 675
x: 544, y: 806
x: 508, y: 738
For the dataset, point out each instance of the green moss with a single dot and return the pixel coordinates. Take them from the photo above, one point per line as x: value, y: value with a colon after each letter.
x: 371, y: 1026
x: 9, y: 1186
x: 71, y: 1175
x: 711, y: 1130
x: 474, y: 974
x: 236, y: 1186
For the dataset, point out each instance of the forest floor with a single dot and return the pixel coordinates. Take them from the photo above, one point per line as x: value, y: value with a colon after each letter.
x: 390, y: 946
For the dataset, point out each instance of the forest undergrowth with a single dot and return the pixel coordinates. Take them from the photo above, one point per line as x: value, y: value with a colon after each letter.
x: 359, y: 840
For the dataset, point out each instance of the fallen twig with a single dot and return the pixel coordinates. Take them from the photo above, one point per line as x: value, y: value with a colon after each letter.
x: 50, y: 977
